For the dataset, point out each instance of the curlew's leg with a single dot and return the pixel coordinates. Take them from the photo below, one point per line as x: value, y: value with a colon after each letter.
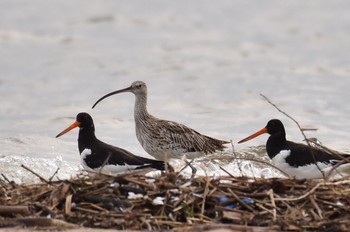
x: 194, y: 170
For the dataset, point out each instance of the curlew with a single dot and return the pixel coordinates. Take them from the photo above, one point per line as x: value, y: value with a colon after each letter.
x: 165, y: 139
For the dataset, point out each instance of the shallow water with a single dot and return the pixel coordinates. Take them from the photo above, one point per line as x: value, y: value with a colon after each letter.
x: 205, y: 65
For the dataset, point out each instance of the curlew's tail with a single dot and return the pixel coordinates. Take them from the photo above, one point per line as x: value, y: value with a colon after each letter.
x: 213, y: 145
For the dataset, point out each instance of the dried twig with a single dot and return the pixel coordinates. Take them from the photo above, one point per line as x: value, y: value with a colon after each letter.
x: 235, y: 155
x: 5, y: 178
x: 334, y: 168
x: 315, y: 205
x: 205, y: 193
x: 36, y: 174
x: 302, y: 196
x: 188, y: 164
x: 53, y: 175
x: 242, y: 202
x: 270, y: 193
x: 14, y: 209
x: 227, y: 172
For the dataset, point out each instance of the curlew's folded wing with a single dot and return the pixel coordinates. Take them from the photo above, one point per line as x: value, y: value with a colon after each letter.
x: 183, y: 138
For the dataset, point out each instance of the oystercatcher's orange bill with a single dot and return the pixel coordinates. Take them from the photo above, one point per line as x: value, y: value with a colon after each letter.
x: 256, y: 134
x: 74, y: 125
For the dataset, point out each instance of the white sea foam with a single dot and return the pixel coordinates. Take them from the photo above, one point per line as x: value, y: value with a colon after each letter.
x: 13, y: 168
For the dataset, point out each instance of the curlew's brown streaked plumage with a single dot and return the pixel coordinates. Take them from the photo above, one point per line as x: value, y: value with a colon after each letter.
x: 164, y: 139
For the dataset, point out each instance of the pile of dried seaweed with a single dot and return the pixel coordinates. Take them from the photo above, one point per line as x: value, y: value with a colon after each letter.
x: 171, y: 201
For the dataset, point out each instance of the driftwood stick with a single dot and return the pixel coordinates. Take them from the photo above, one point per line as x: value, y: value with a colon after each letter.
x: 235, y: 155
x: 45, y: 222
x: 10, y: 209
x: 227, y: 172
x: 205, y: 193
x: 54, y: 174
x: 273, y: 203
x: 228, y: 227
x: 302, y: 196
x: 5, y: 177
x: 188, y: 164
x: 36, y: 174
x: 242, y: 202
x: 68, y: 205
x: 315, y: 205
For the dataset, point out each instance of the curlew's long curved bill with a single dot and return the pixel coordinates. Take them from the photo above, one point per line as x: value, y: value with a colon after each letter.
x: 256, y: 134
x: 74, y: 125
x: 110, y: 94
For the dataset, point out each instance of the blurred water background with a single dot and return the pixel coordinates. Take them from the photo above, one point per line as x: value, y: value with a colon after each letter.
x: 205, y: 63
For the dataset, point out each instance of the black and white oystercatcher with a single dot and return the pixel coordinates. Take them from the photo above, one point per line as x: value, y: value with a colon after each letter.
x: 98, y: 156
x: 296, y: 159
x: 164, y: 139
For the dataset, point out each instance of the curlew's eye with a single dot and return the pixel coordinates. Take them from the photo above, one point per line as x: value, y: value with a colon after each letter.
x: 139, y: 86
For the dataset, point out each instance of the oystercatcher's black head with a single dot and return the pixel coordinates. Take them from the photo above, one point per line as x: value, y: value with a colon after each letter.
x: 137, y: 88
x: 83, y: 121
x: 273, y: 127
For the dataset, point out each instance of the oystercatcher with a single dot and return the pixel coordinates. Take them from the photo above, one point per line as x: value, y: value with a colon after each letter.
x: 98, y: 156
x: 296, y: 159
x: 164, y: 139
